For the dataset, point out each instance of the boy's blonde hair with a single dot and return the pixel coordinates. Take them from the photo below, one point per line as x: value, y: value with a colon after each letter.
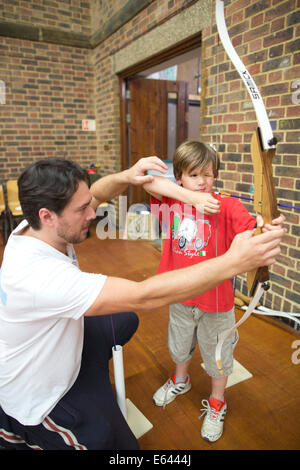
x: 194, y: 154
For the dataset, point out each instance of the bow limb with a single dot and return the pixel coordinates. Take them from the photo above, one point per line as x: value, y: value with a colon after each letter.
x: 260, y: 110
x: 262, y: 152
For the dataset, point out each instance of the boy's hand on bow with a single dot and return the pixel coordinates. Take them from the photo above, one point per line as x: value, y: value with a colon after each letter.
x: 206, y: 203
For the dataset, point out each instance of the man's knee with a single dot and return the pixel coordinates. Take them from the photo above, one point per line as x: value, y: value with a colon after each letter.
x: 124, y: 325
x: 134, y: 319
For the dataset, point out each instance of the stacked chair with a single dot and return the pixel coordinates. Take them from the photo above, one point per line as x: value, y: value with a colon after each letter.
x: 3, y: 215
x: 10, y: 208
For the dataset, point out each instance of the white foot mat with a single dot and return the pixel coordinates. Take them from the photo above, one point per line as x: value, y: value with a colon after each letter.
x: 137, y: 422
x: 239, y: 374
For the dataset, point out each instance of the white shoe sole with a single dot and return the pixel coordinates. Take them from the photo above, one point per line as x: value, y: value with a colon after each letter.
x: 172, y: 398
x: 212, y: 439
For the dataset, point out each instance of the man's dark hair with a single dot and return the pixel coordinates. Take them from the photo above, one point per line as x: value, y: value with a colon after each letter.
x: 48, y: 183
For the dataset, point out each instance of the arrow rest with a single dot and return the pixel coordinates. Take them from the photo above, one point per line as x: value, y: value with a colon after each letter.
x: 266, y: 286
x: 273, y: 142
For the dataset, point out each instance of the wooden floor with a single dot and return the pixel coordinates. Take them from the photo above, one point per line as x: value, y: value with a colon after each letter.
x: 263, y: 411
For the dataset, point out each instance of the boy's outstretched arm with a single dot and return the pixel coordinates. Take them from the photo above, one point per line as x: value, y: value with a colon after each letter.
x: 161, y: 186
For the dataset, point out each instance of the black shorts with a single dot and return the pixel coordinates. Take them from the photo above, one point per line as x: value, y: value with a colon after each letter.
x: 88, y: 416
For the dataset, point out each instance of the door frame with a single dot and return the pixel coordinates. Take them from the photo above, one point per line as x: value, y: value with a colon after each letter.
x: 185, y: 46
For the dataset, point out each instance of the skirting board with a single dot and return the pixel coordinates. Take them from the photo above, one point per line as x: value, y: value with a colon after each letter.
x: 137, y: 422
x: 239, y: 374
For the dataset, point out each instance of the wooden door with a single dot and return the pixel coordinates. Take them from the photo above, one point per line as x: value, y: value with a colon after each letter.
x: 147, y: 122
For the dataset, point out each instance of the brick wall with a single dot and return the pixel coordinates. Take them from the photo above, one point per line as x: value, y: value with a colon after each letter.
x: 107, y: 83
x: 72, y: 15
x: 266, y: 37
x: 49, y: 90
x: 52, y: 87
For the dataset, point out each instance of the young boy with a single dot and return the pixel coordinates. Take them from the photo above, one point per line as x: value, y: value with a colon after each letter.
x: 194, y: 237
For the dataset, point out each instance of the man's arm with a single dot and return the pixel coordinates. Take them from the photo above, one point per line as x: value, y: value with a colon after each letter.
x: 246, y: 253
x: 161, y: 186
x: 111, y: 186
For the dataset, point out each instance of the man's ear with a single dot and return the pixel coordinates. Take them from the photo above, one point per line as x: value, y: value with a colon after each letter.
x: 47, y: 217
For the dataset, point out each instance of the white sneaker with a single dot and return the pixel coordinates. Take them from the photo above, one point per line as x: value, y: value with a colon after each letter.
x: 215, y: 411
x: 169, y: 391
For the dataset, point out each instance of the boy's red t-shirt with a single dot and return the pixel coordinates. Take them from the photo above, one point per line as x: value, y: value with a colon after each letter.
x: 192, y: 237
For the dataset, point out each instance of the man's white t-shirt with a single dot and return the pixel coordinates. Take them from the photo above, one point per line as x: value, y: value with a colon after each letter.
x: 43, y: 297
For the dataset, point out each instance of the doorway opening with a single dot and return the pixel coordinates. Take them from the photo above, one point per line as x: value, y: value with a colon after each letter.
x: 160, y: 107
x: 184, y: 68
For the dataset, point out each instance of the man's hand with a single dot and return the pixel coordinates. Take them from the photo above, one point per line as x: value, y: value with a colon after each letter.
x: 136, y: 174
x: 110, y: 186
x: 248, y: 252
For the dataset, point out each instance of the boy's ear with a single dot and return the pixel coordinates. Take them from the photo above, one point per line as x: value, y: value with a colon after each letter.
x: 178, y: 181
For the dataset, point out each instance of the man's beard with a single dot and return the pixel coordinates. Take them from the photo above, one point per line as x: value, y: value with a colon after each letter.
x: 70, y: 237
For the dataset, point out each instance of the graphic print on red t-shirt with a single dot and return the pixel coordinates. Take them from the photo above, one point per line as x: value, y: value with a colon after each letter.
x: 190, y: 234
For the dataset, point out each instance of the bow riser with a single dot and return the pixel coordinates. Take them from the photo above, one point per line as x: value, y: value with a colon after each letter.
x: 265, y: 202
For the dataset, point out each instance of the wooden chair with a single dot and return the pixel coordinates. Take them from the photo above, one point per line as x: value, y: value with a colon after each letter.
x: 3, y: 215
x: 15, y: 213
